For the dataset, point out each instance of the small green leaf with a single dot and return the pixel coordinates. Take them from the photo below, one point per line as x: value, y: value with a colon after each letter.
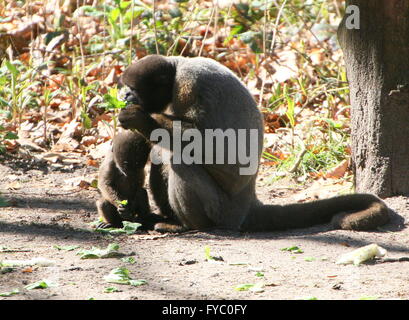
x: 309, y: 259
x: 4, y: 270
x: 124, y: 4
x: 209, y: 257
x: 207, y: 253
x: 289, y: 248
x: 10, y: 136
x: 39, y: 261
x: 3, y: 202
x: 137, y: 283
x: 238, y: 264
x: 42, y: 284
x: 66, y: 248
x: 118, y: 275
x: 91, y: 11
x: 244, y: 287
x: 111, y: 289
x: 12, y: 68
x: 121, y: 276
x: 113, y: 103
x: 123, y: 202
x: 9, y: 293
x: 94, y: 183
x: 130, y: 15
x: 258, y: 287
x: 130, y: 227
x: 293, y: 249
x: 51, y: 35
x: 114, y: 15
x: 111, y: 251
x: 130, y: 260
x: 369, y: 298
x: 86, y: 121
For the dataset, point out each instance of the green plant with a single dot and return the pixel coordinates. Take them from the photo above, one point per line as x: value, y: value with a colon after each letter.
x: 16, y: 82
x: 113, y: 104
x: 80, y: 94
x: 47, y: 97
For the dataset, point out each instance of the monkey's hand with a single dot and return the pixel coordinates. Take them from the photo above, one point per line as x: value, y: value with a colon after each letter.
x: 134, y: 117
x: 126, y: 211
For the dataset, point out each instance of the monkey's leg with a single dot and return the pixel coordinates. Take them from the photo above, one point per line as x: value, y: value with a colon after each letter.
x: 109, y: 213
x: 195, y: 198
x: 158, y: 181
x: 142, y: 207
x: 143, y: 212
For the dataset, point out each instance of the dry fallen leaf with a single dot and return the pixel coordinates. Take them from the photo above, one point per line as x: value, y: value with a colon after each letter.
x: 27, y: 270
x: 67, y: 141
x: 317, y: 55
x: 101, y: 150
x: 339, y: 171
x: 286, y: 67
x: 89, y: 140
x: 50, y: 156
x: 68, y: 146
x: 84, y: 184
x: 112, y: 78
x: 30, y: 145
x: 92, y: 163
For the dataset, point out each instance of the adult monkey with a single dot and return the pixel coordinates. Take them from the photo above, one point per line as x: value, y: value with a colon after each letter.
x: 203, y: 94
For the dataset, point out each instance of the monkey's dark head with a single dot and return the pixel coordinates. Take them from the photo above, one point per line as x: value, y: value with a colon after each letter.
x: 151, y: 82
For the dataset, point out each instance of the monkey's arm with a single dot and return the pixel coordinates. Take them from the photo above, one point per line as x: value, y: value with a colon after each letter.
x: 108, y: 174
x: 115, y: 189
x: 134, y: 117
x: 107, y: 205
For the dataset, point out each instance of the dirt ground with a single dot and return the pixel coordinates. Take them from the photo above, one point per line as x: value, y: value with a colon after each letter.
x: 47, y: 209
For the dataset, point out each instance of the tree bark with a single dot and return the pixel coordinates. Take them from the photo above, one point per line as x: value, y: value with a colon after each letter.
x: 377, y: 63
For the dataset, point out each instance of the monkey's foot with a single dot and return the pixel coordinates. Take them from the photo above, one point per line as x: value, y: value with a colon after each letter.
x: 148, y: 221
x: 164, y: 227
x: 106, y: 225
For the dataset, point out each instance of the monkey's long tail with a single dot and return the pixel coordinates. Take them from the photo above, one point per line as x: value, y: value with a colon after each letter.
x: 349, y: 212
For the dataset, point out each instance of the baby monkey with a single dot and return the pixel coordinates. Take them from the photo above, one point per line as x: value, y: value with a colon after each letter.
x: 121, y: 179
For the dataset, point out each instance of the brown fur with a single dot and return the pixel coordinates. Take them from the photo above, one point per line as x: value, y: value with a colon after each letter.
x: 121, y: 177
x: 203, y: 94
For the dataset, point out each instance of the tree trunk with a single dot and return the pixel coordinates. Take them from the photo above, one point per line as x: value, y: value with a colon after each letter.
x: 377, y: 63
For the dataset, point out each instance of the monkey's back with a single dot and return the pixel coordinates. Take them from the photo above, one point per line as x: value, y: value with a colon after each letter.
x: 213, y: 97
x: 221, y: 98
